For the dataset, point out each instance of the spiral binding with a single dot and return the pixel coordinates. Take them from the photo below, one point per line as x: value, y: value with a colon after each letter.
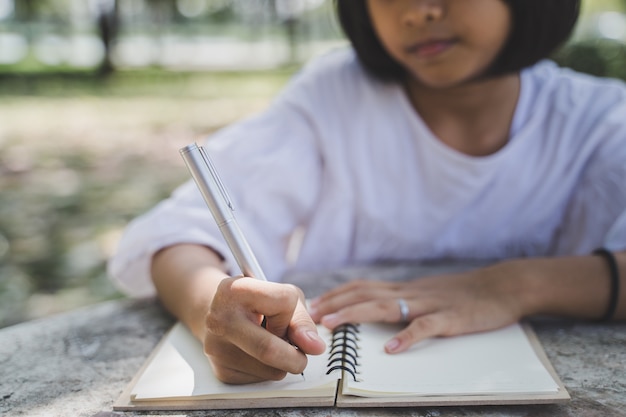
x: 344, y: 350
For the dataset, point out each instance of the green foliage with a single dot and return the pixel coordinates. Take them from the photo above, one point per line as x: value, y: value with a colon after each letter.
x: 601, y: 57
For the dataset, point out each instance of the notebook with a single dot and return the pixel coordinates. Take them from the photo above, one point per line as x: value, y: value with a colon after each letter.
x: 505, y: 366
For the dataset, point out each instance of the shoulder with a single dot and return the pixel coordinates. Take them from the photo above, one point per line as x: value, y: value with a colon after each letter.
x: 335, y: 77
x: 578, y: 113
x: 337, y: 62
x: 575, y: 125
x: 567, y: 92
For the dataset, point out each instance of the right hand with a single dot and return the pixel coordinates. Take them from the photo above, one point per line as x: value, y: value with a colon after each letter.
x: 240, y: 350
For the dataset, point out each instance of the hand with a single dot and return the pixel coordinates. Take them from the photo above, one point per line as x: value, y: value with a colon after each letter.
x: 445, y: 305
x: 240, y: 350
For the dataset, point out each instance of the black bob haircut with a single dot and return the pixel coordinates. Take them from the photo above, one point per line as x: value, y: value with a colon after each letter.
x: 539, y: 27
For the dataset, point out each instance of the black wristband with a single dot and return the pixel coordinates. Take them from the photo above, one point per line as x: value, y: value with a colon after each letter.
x: 614, y: 271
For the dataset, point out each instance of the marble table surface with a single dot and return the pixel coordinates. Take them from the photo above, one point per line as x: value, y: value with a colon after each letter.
x: 78, y: 363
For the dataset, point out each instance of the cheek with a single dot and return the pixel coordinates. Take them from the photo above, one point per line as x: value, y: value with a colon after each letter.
x: 498, y: 33
x: 486, y: 25
x: 393, y: 49
x: 385, y: 28
x: 485, y: 42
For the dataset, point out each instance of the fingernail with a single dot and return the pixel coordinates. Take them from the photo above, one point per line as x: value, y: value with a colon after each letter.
x: 312, y: 311
x: 312, y: 335
x: 392, y: 345
x: 314, y: 302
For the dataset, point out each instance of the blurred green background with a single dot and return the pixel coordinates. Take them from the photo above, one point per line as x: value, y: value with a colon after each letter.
x: 97, y: 96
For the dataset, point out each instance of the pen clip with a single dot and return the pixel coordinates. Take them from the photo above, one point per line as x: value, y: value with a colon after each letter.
x: 216, y: 177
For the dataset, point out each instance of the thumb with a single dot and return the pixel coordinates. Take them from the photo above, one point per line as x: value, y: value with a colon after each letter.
x: 303, y: 332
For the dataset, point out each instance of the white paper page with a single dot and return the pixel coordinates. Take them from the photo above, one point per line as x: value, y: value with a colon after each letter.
x: 501, y: 361
x: 181, y: 370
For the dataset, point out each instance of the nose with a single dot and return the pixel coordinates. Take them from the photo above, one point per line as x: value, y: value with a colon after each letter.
x: 419, y: 12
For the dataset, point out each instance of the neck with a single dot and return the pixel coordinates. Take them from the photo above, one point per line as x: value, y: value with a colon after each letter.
x: 473, y: 118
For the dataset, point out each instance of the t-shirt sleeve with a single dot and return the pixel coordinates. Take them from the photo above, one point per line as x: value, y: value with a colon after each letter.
x: 596, y: 215
x: 270, y: 167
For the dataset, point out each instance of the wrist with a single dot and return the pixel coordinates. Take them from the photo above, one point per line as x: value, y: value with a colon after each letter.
x: 528, y: 287
x: 564, y: 286
x: 614, y: 276
x: 520, y: 287
x: 186, y: 278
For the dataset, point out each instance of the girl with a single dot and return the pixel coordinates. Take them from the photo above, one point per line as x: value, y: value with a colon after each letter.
x: 439, y: 135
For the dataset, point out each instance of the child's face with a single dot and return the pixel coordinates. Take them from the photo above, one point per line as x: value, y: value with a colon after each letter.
x: 442, y: 43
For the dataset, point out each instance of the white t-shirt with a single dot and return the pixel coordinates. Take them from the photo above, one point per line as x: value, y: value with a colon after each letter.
x: 346, y: 158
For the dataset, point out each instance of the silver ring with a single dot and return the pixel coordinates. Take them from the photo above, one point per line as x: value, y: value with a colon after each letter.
x: 404, y: 309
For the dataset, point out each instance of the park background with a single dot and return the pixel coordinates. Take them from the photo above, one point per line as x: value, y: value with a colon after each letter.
x: 97, y: 96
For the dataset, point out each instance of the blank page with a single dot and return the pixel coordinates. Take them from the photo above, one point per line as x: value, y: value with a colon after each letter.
x: 180, y: 370
x: 501, y: 361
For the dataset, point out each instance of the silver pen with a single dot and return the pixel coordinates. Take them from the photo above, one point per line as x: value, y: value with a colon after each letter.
x: 216, y: 197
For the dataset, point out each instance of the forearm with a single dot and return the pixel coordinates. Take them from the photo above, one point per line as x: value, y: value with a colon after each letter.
x: 186, y: 277
x: 576, y: 287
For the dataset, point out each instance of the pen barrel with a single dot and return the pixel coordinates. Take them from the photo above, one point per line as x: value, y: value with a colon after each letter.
x: 211, y: 191
x: 219, y: 204
x: 238, y: 244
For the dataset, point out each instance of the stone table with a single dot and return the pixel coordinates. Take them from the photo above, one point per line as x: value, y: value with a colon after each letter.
x: 78, y: 363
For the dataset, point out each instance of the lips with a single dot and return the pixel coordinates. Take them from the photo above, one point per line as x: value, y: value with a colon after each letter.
x: 430, y: 48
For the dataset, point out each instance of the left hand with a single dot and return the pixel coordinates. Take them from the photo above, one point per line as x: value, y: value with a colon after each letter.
x: 445, y: 305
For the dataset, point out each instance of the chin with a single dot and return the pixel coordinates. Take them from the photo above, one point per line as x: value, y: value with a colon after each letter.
x: 442, y: 80
x: 439, y: 83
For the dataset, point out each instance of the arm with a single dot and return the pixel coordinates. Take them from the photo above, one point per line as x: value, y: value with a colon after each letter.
x: 186, y: 277
x: 577, y: 287
x: 479, y: 300
x: 225, y: 314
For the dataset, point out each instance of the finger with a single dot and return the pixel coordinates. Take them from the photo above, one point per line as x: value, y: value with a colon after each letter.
x: 380, y: 310
x: 303, y: 332
x: 280, y: 309
x: 423, y: 327
x: 269, y: 349
x: 236, y: 316
x: 233, y: 366
x: 346, y: 295
x: 276, y: 302
x: 349, y: 287
x: 256, y: 300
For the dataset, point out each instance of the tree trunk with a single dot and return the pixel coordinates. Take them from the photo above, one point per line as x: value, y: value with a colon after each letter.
x: 108, y: 28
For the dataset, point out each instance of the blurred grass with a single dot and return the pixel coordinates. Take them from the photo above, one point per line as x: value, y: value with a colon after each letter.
x: 67, y: 82
x: 80, y: 157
